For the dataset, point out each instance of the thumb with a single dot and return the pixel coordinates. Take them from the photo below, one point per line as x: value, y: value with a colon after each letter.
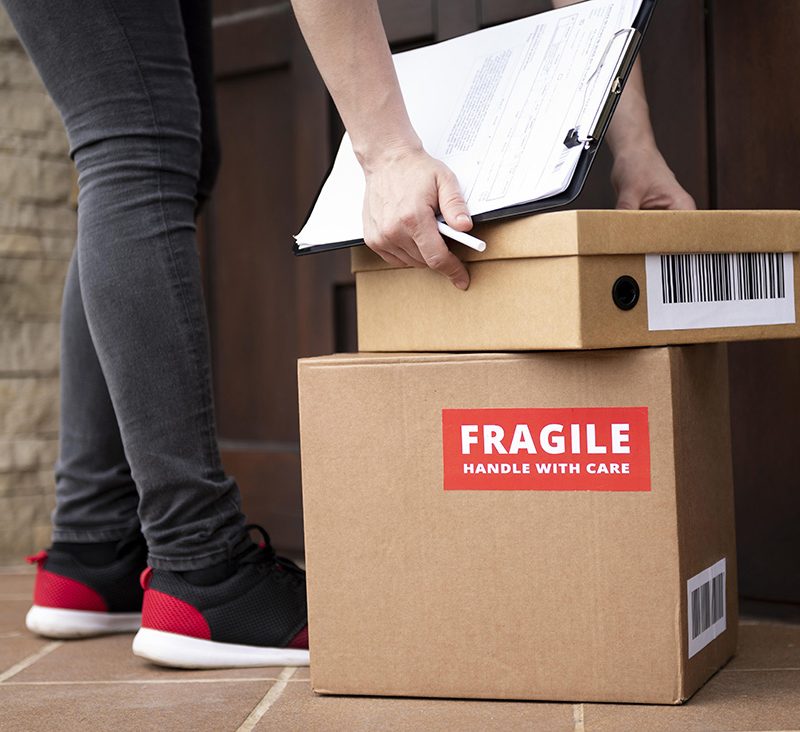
x: 451, y: 202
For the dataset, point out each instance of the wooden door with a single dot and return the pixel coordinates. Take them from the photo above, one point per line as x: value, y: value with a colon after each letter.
x: 251, y: 282
x: 756, y: 114
x: 279, y: 130
x: 266, y: 308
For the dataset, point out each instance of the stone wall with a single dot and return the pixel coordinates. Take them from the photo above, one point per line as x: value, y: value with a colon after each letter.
x: 37, y: 233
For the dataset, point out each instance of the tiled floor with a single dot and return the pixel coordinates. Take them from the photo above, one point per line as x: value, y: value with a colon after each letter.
x: 96, y: 685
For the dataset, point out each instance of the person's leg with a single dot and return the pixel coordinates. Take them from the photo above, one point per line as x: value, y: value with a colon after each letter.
x: 120, y: 75
x: 197, y: 15
x: 86, y: 582
x: 96, y: 498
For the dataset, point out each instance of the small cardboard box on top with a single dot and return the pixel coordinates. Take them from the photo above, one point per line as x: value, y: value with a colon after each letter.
x: 552, y: 526
x: 593, y: 279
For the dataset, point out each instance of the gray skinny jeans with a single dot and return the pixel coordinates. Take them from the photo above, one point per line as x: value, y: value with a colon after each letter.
x: 138, y: 442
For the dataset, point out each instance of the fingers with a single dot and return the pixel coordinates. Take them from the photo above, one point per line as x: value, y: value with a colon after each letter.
x: 436, y: 254
x: 451, y: 202
x: 400, y: 203
x: 397, y: 250
x: 422, y: 247
x: 386, y: 256
x: 683, y: 202
x: 627, y: 203
x: 393, y: 255
x: 671, y: 199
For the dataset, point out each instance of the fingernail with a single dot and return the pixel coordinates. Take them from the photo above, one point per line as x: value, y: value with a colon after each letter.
x: 462, y: 283
x: 463, y: 219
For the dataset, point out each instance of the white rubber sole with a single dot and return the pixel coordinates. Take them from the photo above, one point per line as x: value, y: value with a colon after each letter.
x: 54, y: 622
x: 183, y: 651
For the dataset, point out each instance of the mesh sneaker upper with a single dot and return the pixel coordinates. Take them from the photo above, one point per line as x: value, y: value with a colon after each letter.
x: 263, y: 603
x: 64, y: 582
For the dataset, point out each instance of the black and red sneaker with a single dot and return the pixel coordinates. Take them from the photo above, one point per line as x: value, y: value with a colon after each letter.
x: 84, y: 590
x: 253, y: 615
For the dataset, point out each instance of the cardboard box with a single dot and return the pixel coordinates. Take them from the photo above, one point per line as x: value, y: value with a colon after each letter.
x: 432, y: 576
x: 581, y: 279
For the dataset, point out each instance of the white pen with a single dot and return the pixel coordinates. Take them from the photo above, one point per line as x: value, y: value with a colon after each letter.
x: 471, y: 241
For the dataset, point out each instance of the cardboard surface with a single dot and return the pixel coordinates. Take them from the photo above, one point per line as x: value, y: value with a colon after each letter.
x: 545, y: 282
x: 518, y: 591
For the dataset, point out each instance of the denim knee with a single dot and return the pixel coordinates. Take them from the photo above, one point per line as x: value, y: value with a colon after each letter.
x: 132, y: 170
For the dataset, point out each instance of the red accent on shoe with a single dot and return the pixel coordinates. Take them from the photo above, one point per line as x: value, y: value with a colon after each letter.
x: 300, y: 640
x: 144, y: 577
x: 37, y: 558
x: 165, y: 612
x: 55, y: 590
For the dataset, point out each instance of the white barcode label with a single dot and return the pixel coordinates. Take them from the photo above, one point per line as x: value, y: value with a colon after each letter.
x: 707, y: 612
x: 687, y: 291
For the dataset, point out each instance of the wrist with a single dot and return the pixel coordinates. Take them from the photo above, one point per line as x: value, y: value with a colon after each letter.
x: 632, y: 142
x: 631, y: 133
x: 637, y: 163
x: 637, y: 155
x: 379, y: 152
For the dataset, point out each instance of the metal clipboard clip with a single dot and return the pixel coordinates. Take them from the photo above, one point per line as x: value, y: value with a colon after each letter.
x: 576, y: 136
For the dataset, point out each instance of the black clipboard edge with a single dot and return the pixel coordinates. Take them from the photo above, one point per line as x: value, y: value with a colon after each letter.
x: 640, y: 23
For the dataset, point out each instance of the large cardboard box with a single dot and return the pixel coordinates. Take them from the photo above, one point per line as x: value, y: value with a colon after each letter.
x: 519, y: 526
x: 593, y: 279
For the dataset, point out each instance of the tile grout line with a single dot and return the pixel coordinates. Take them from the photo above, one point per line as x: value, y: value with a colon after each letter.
x: 577, y: 718
x: 30, y: 660
x: 750, y: 670
x: 269, y: 699
x: 112, y: 682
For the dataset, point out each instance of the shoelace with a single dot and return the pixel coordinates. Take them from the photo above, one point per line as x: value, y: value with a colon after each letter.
x: 265, y: 555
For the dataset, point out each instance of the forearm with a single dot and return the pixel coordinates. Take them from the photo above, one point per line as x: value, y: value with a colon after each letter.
x: 349, y: 46
x: 630, y: 127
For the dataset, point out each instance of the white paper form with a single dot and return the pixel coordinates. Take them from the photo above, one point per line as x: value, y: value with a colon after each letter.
x: 495, y: 106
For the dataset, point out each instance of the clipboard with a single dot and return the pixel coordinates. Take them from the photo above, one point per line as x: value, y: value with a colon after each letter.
x: 590, y: 136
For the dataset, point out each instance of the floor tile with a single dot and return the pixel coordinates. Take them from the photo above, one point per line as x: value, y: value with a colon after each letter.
x: 16, y: 584
x: 298, y: 708
x: 110, y: 658
x: 732, y: 701
x: 302, y: 672
x: 16, y: 646
x: 99, y: 682
x: 12, y: 614
x: 218, y: 707
x: 107, y: 658
x: 787, y: 612
x: 765, y: 644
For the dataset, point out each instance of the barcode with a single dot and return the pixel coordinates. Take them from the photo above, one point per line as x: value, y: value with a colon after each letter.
x: 689, y: 278
x: 706, y: 599
x: 708, y: 605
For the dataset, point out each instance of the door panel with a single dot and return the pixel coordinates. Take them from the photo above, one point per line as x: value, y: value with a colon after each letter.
x: 254, y: 276
x: 493, y: 12
x: 251, y: 276
x: 757, y: 125
x: 757, y: 107
x: 406, y: 21
x: 279, y: 131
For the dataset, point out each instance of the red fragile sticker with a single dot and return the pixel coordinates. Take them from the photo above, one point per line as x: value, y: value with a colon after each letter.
x: 573, y: 449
